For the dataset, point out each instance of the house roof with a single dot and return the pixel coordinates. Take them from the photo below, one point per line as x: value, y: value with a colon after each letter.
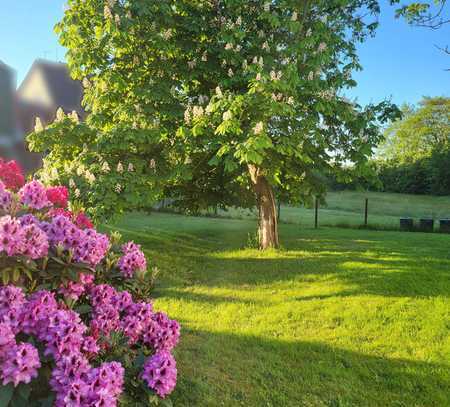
x: 65, y: 92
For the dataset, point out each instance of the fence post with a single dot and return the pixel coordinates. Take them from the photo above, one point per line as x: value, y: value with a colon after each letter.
x: 366, y: 213
x: 316, y: 214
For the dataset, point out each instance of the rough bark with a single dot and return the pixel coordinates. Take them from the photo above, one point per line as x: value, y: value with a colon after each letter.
x: 265, y: 199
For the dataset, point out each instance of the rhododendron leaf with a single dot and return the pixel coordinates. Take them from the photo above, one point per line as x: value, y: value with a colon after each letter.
x: 6, y: 393
x: 23, y: 390
x: 83, y: 309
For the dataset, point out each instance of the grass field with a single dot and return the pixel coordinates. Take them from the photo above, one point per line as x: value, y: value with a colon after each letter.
x: 338, y: 318
x: 346, y: 208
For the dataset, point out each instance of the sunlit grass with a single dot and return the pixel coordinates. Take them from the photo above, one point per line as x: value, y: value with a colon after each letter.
x: 337, y: 318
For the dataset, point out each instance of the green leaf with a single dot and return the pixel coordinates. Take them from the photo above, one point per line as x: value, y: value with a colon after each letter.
x: 6, y: 393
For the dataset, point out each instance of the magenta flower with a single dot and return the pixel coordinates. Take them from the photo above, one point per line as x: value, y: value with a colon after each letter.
x: 11, y: 236
x: 58, y: 196
x: 20, y: 364
x: 160, y: 373
x: 34, y: 195
x: 7, y: 339
x: 132, y: 261
x: 5, y: 198
x: 35, y: 243
x: 92, y: 247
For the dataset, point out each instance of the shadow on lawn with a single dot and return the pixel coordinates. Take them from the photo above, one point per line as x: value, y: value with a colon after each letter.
x: 369, y: 262
x: 380, y: 267
x: 251, y: 371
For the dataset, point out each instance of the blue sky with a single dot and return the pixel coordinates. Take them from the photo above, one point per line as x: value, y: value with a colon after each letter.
x: 400, y: 62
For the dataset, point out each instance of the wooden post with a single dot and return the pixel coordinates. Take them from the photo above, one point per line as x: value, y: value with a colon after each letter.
x: 366, y: 213
x: 279, y: 210
x: 316, y: 214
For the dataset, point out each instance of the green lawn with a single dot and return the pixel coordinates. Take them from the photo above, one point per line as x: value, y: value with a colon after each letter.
x: 346, y: 208
x: 339, y: 317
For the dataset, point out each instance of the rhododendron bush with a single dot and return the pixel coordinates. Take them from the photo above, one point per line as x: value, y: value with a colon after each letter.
x: 75, y: 329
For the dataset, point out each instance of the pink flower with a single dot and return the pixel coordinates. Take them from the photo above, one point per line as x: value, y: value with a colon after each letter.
x: 34, y: 195
x: 35, y: 244
x: 58, y: 196
x: 20, y: 364
x: 83, y: 222
x: 12, y: 236
x: 160, y: 373
x: 5, y: 198
x: 11, y: 174
x: 133, y: 259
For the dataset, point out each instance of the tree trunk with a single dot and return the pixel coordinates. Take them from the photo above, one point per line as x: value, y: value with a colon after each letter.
x: 265, y: 199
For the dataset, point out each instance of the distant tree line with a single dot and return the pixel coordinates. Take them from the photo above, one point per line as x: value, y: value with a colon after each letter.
x: 415, y: 156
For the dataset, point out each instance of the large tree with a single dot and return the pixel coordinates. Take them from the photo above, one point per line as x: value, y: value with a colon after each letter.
x: 248, y: 93
x: 423, y: 130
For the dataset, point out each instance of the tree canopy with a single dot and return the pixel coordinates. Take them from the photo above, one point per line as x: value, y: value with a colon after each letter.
x: 209, y: 100
x: 422, y: 130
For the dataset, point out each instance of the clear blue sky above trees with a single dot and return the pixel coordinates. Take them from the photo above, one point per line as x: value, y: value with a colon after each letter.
x: 401, y: 61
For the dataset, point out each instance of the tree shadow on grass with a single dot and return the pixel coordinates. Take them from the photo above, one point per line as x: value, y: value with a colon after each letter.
x: 368, y: 262
x: 231, y: 370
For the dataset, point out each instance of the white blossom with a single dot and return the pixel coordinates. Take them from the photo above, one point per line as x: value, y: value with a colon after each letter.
x: 205, y: 56
x: 258, y: 76
x: 117, y: 19
x: 130, y: 167
x: 105, y: 167
x: 60, y: 114
x: 267, y: 6
x: 119, y: 167
x: 187, y: 115
x: 77, y: 193
x: 72, y: 184
x: 197, y: 111
x: 167, y: 34
x: 258, y: 129
x: 192, y: 64
x: 152, y: 164
x: 118, y: 188
x: 74, y: 116
x: 294, y: 16
x: 230, y: 72
x: 238, y: 48
x: 229, y: 46
x: 239, y: 20
x: 227, y: 115
x: 38, y: 125
x: 265, y: 46
x: 90, y: 177
x: 311, y: 76
x: 107, y: 12
x: 244, y: 65
x: 219, y: 92
x: 261, y: 62
x: 80, y: 171
x: 309, y: 32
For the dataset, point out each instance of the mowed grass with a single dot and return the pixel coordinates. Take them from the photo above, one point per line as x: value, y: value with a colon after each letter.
x: 346, y: 208
x: 339, y: 317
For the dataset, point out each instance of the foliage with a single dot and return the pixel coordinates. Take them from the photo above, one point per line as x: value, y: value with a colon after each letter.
x: 421, y: 131
x: 415, y: 156
x: 192, y: 91
x: 69, y: 331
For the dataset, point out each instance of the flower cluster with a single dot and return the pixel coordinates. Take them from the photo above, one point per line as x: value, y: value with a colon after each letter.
x: 133, y: 260
x: 34, y: 195
x: 43, y: 330
x: 11, y: 174
x: 58, y: 196
x: 73, y: 345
